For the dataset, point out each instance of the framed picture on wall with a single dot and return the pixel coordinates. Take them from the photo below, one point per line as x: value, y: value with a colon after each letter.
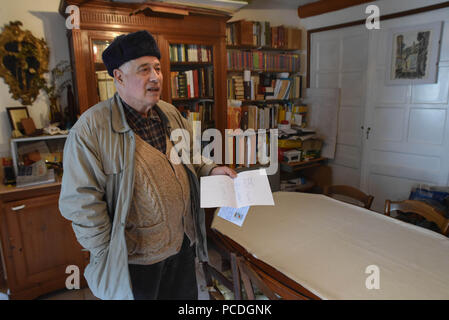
x: 15, y: 115
x: 413, y: 54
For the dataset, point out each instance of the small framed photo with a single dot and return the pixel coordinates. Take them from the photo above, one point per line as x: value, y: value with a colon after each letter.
x: 413, y: 54
x: 15, y: 115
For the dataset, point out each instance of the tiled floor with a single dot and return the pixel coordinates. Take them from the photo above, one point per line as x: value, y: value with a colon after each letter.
x: 86, y: 294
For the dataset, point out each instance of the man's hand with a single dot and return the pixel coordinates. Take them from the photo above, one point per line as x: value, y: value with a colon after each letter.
x: 223, y: 170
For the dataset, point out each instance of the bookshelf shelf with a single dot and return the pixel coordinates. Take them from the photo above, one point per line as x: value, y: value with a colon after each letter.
x: 258, y: 48
x: 192, y: 99
x: 100, y: 66
x: 262, y: 70
x: 191, y: 64
x: 266, y: 101
x: 297, y: 166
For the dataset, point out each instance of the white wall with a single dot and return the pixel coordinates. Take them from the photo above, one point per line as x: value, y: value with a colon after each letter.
x: 409, y: 140
x: 42, y: 18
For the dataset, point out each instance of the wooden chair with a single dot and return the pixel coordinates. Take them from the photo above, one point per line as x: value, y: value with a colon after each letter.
x: 249, y: 276
x: 350, y: 192
x: 420, y: 208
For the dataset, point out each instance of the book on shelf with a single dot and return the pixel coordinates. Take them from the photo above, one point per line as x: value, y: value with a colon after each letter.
x: 284, y: 90
x: 106, y: 86
x: 210, y: 81
x: 190, y: 53
x: 296, y: 90
x: 266, y: 87
x: 252, y: 116
x: 234, y: 115
x: 182, y: 85
x: 262, y: 34
x: 201, y: 110
x: 238, y: 86
x: 294, y: 38
x: 262, y: 61
x: 263, y: 87
x: 194, y: 83
x: 244, y: 32
x: 247, y: 90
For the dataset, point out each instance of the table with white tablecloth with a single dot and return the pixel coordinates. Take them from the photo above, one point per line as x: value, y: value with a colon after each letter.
x: 335, y: 250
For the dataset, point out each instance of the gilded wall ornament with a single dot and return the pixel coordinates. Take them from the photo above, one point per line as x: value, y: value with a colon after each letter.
x: 23, y: 62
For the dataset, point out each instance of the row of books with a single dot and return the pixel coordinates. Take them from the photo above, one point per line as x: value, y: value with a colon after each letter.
x: 106, y: 87
x: 200, y: 111
x: 261, y: 34
x: 263, y: 61
x: 252, y: 117
x: 258, y: 89
x: 263, y: 117
x: 195, y: 83
x: 190, y: 53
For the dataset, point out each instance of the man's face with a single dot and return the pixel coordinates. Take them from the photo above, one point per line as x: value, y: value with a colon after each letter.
x: 142, y: 82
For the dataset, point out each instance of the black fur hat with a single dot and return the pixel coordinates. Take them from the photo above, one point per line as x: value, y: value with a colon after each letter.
x: 129, y: 47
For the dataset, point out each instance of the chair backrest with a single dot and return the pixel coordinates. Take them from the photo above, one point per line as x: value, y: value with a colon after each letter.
x: 420, y: 208
x: 350, y: 192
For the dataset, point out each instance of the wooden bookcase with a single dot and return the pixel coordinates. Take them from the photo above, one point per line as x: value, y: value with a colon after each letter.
x: 264, y: 52
x: 102, y: 21
x: 192, y: 81
x: 259, y: 53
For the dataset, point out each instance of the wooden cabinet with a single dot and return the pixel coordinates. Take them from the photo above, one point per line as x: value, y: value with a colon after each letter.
x: 102, y: 21
x: 37, y: 243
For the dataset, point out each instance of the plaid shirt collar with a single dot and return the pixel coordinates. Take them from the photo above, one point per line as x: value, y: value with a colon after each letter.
x: 136, y: 118
x: 151, y: 129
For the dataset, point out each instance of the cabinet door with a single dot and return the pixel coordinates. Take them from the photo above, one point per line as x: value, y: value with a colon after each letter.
x: 41, y: 244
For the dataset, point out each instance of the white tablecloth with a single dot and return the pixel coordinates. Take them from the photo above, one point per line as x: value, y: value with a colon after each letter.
x: 326, y: 246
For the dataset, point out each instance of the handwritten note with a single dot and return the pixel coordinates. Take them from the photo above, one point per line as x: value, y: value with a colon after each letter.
x: 248, y: 189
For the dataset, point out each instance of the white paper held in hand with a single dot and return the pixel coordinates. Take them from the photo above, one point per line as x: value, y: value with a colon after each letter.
x: 248, y: 189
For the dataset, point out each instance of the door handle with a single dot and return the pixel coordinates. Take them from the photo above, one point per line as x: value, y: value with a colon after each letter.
x: 18, y: 208
x: 367, y: 133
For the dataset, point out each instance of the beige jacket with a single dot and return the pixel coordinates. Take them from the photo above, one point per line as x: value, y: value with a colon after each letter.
x: 97, y: 187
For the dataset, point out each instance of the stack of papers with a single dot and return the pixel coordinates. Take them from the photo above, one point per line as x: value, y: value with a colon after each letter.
x: 235, y: 196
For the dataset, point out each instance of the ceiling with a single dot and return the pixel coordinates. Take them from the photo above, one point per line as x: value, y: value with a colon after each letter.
x: 278, y: 4
x: 252, y: 4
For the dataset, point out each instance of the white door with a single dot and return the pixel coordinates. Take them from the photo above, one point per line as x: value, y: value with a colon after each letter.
x: 405, y: 136
x: 408, y: 140
x: 339, y: 60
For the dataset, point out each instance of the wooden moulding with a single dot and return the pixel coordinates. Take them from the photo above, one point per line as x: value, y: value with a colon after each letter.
x: 325, y: 6
x: 128, y: 17
x: 396, y: 15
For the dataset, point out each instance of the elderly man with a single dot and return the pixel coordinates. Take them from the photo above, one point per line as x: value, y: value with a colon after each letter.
x: 135, y: 211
